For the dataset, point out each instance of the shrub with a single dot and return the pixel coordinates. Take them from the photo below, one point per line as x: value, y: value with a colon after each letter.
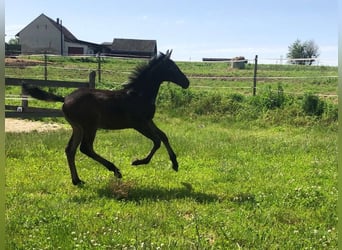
x: 269, y: 99
x: 232, y: 105
x: 271, y: 106
x: 312, y: 105
x: 208, y: 104
x: 177, y: 97
x: 217, y: 103
x: 237, y: 97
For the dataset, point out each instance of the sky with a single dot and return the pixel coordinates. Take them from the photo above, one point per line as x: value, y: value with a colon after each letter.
x: 194, y: 29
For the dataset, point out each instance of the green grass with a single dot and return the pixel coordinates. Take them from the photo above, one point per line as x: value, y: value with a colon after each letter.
x: 239, y: 186
x: 255, y: 172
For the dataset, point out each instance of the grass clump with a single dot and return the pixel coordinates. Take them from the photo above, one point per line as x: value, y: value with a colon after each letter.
x: 270, y: 104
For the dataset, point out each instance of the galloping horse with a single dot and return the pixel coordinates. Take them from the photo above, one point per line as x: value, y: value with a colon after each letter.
x: 133, y: 106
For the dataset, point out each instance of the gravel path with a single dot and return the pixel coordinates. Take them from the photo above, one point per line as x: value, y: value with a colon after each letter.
x: 18, y: 126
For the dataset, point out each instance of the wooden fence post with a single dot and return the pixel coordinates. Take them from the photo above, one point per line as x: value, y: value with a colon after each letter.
x: 92, y: 76
x: 255, y: 74
x: 24, y: 100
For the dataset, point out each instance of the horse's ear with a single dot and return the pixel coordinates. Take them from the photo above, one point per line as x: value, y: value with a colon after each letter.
x: 168, y: 53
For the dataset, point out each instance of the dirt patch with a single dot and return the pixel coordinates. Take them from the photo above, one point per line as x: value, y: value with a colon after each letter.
x: 18, y: 126
x: 22, y: 62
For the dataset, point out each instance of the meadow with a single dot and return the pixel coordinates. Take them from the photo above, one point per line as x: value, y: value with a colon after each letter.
x: 254, y: 172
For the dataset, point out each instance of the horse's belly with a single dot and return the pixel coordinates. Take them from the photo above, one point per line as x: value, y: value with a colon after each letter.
x: 115, y: 122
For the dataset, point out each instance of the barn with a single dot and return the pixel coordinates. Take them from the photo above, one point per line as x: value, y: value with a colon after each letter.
x: 133, y: 48
x: 44, y: 34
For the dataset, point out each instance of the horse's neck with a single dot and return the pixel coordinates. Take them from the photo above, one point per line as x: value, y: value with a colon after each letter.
x: 149, y: 90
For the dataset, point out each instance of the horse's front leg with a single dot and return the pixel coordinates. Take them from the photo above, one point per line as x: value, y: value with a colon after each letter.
x: 151, y: 131
x: 165, y: 140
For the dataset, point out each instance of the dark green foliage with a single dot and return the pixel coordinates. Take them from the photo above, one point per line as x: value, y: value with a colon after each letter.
x: 179, y: 97
x: 312, y: 105
x: 270, y: 99
x: 237, y: 97
x: 270, y: 104
x: 208, y: 105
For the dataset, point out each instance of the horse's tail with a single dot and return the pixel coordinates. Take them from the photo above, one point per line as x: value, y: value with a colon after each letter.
x: 41, y: 94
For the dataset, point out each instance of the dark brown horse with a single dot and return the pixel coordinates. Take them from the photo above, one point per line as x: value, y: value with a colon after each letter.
x: 131, y: 107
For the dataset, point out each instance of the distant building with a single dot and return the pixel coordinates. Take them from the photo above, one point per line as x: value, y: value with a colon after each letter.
x: 44, y: 34
x: 131, y: 48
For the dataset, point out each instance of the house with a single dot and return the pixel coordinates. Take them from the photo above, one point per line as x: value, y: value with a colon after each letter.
x: 44, y: 34
x: 133, y: 48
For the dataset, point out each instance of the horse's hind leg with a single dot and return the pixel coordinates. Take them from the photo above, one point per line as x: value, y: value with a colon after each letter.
x: 88, y: 149
x: 70, y: 152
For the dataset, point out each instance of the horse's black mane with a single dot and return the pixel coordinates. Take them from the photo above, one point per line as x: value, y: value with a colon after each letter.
x: 139, y: 73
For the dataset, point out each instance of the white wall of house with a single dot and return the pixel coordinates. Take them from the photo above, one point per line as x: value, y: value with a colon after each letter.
x: 41, y: 35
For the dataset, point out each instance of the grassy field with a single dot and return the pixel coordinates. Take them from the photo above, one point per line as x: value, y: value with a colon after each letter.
x: 238, y: 187
x: 255, y: 173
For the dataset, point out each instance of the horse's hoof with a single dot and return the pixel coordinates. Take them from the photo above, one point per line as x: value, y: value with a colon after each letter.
x: 175, y: 167
x: 78, y: 182
x: 117, y: 174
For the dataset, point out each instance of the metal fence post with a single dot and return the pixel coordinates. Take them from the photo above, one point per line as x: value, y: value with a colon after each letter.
x: 45, y: 66
x: 99, y: 66
x: 255, y: 74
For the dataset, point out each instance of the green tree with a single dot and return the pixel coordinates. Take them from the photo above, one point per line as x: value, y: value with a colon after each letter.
x: 303, y: 50
x: 13, y: 41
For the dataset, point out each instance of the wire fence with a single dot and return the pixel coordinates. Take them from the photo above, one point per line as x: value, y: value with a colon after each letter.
x: 44, y: 66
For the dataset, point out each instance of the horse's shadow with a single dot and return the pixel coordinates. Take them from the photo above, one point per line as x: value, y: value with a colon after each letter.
x: 129, y: 192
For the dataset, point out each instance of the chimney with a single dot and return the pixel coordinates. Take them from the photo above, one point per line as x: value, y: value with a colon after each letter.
x: 57, y: 20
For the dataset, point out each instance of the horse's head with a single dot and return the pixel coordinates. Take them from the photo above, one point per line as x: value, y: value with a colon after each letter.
x: 169, y: 71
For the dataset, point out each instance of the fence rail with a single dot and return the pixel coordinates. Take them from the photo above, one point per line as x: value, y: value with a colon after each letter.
x: 24, y: 111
